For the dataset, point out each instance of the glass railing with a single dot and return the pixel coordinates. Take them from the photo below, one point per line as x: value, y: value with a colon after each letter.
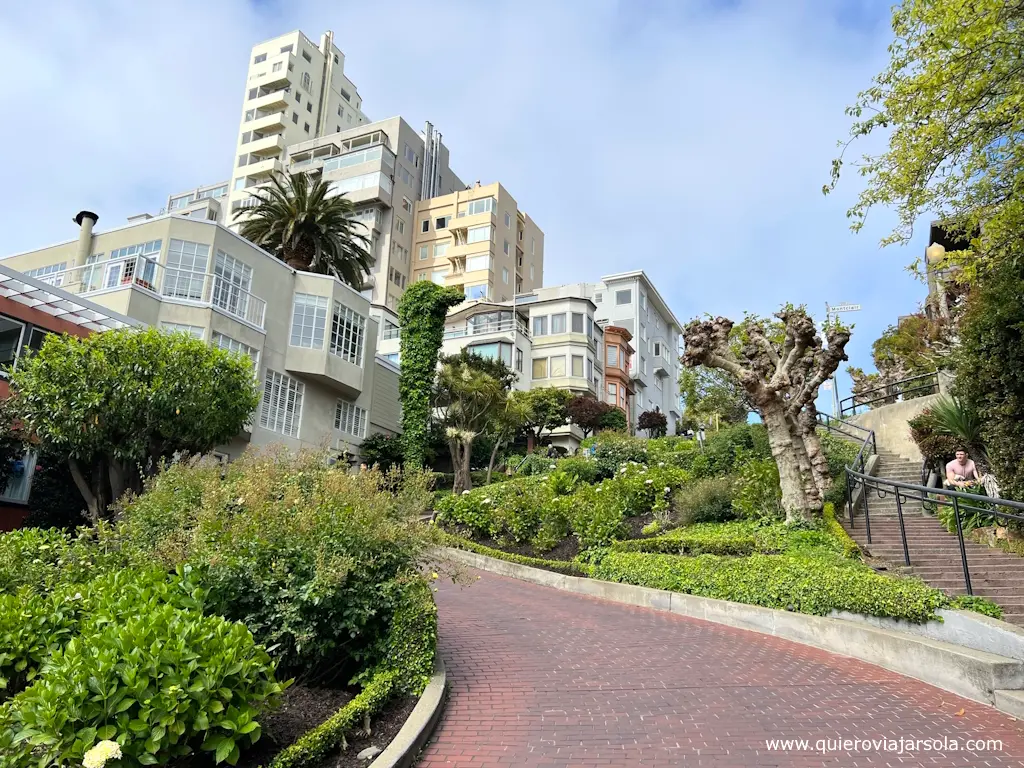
x: 504, y: 326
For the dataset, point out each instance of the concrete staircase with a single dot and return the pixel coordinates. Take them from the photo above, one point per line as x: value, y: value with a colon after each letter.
x: 934, y: 552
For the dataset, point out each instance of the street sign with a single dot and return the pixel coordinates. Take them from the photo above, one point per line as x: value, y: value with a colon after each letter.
x: 845, y: 308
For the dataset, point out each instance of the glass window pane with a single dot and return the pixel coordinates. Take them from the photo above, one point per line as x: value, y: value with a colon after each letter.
x: 540, y: 368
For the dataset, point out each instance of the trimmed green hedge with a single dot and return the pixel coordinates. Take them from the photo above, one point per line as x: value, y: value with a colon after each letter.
x: 805, y: 584
x: 737, y: 538
x: 850, y: 547
x: 562, y: 566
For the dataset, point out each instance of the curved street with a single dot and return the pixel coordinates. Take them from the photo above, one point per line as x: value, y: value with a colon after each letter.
x: 545, y: 679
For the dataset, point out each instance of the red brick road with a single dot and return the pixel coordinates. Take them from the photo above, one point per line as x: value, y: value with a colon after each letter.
x: 544, y: 679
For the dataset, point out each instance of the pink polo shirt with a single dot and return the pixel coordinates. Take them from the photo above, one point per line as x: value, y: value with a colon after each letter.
x: 965, y: 471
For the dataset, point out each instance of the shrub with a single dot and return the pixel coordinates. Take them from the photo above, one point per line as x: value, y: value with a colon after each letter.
x: 977, y: 604
x: 708, y: 500
x: 535, y: 464
x: 296, y: 550
x: 789, y: 582
x: 382, y: 450
x: 724, y: 447
x: 736, y: 538
x: 561, y: 566
x: 583, y: 469
x: 834, y: 527
x: 30, y: 557
x: 758, y: 493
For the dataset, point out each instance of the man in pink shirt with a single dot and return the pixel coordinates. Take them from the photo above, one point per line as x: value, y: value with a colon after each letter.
x: 961, y: 471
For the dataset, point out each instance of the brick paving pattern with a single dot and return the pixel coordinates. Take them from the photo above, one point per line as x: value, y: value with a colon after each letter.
x: 546, y: 679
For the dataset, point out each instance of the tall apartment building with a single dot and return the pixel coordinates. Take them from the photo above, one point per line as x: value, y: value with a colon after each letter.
x: 294, y: 91
x: 478, y: 240
x: 310, y: 337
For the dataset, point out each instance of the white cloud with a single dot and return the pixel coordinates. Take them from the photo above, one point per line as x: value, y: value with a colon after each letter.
x: 685, y: 138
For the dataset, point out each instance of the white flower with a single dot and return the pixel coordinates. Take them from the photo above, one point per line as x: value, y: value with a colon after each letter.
x: 648, y: 482
x: 661, y: 463
x: 465, y: 493
x: 552, y: 466
x: 622, y: 470
x: 666, y: 489
x: 486, y: 501
x: 98, y: 755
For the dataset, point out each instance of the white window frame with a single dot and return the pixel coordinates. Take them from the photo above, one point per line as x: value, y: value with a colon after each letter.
x: 281, y: 409
x: 308, y: 328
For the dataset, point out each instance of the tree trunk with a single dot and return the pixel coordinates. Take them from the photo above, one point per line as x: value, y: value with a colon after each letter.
x: 791, y: 480
x: 91, y: 502
x: 460, y: 450
x: 803, y: 460
x: 494, y: 456
x: 808, y: 424
x: 467, y: 451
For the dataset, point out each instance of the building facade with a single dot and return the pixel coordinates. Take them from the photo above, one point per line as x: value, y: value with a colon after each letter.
x: 31, y: 308
x: 310, y: 337
x: 294, y: 91
x: 479, y: 241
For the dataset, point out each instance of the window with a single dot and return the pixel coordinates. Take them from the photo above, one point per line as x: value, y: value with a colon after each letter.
x: 598, y: 297
x: 10, y: 341
x: 53, y: 274
x: 519, y: 359
x: 476, y: 291
x: 350, y: 419
x: 129, y: 265
x: 659, y: 383
x: 590, y: 327
x: 557, y: 366
x: 508, y: 220
x: 348, y: 329
x: 540, y: 326
x: 392, y: 357
x: 239, y: 184
x: 231, y: 345
x: 305, y: 127
x: 405, y: 176
x: 478, y: 262
x: 558, y: 323
x: 505, y: 247
x: 390, y: 331
x: 260, y: 59
x: 407, y: 205
x: 277, y: 66
x: 410, y: 155
x: 613, y: 394
x: 253, y: 92
x: 282, y: 404
x: 639, y: 399
x: 250, y: 114
x: 309, y: 316
x: 231, y: 284
x: 590, y: 369
x: 298, y: 97
x: 504, y: 275
x: 438, y: 275
x: 295, y: 118
x: 442, y: 222
x: 363, y: 181
x: 483, y: 205
x: 623, y: 297
x: 643, y: 332
x: 307, y: 57
x: 478, y: 234
x: 657, y: 349
x: 186, y: 270
x: 577, y: 366
x: 440, y: 249
x: 577, y: 322
x: 531, y: 271
x: 309, y: 106
x: 400, y: 225
x: 533, y: 247
x: 286, y: 48
x: 195, y: 331
x: 643, y: 365
x: 242, y: 160
x: 181, y: 202
x: 612, y: 359
x: 494, y: 351
x: 540, y: 367
x: 425, y: 225
x: 643, y: 301
x: 622, y: 398
x: 342, y: 93
x: 424, y: 252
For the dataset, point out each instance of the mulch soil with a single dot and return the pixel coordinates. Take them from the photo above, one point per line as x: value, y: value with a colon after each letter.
x: 304, y: 707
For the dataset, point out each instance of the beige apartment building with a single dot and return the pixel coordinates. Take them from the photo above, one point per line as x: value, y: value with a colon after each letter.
x: 310, y: 337
x: 478, y: 240
x: 294, y: 91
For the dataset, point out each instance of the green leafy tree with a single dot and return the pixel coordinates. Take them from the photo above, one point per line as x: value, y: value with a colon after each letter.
x: 421, y: 314
x: 12, y: 443
x: 587, y: 413
x: 654, y: 422
x: 492, y: 366
x: 507, y: 422
x: 547, y: 410
x: 989, y: 366
x: 381, y: 450
x: 711, y: 394
x: 466, y: 401
x: 300, y: 222
x: 116, y: 404
x: 950, y: 104
x: 614, y: 420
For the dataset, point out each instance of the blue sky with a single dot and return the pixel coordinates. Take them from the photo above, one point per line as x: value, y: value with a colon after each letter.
x: 687, y: 138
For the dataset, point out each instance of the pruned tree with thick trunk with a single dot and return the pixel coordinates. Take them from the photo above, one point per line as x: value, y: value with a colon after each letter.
x: 781, y: 368
x: 466, y: 401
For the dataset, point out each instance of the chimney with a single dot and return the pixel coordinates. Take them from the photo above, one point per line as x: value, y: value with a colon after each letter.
x: 478, y: 182
x: 86, y: 220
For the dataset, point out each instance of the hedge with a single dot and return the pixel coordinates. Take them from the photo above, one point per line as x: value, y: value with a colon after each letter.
x: 799, y: 583
x: 405, y: 670
x: 562, y: 566
x: 850, y: 547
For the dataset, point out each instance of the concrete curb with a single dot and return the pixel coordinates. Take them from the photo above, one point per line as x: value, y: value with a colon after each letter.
x: 403, y: 749
x: 967, y: 672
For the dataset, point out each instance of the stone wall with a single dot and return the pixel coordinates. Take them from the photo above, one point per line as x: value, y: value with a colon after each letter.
x: 890, y: 425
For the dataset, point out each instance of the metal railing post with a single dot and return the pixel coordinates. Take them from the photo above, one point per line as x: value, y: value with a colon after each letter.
x: 963, y: 548
x: 849, y: 497
x: 867, y: 518
x: 903, y: 530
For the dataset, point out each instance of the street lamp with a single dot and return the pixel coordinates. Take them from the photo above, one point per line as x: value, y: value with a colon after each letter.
x: 830, y: 310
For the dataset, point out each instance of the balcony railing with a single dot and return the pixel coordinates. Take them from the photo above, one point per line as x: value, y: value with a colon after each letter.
x: 505, y: 326
x: 174, y: 284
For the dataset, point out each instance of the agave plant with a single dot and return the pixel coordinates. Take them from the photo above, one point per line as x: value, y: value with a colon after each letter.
x: 298, y: 221
x: 951, y: 416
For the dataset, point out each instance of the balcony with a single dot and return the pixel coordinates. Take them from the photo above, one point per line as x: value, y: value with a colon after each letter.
x: 484, y: 329
x: 268, y: 145
x: 141, y: 274
x: 263, y: 168
x: 325, y: 367
x: 271, y: 123
x: 272, y: 101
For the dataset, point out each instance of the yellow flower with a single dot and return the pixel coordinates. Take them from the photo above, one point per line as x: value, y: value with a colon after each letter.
x: 433, y: 575
x: 98, y: 755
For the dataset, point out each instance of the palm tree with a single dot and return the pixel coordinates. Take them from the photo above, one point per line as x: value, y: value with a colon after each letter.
x: 299, y: 222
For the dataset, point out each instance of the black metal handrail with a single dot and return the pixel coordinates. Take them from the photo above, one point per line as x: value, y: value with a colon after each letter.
x: 925, y: 384
x: 959, y: 501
